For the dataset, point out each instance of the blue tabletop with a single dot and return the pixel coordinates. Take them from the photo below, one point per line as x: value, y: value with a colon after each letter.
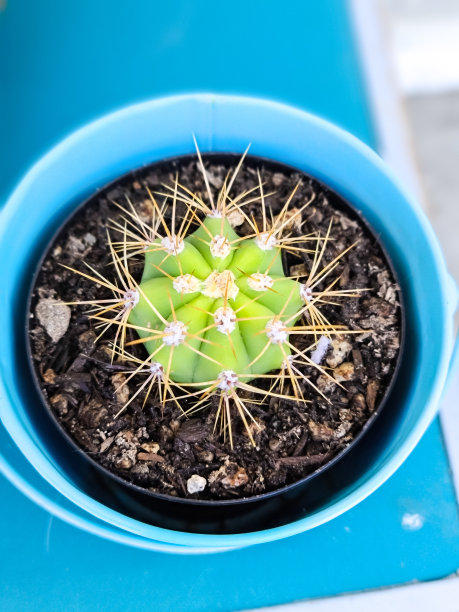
x: 64, y: 63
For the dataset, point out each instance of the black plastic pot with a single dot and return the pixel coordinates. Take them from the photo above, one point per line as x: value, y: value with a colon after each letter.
x: 260, y: 512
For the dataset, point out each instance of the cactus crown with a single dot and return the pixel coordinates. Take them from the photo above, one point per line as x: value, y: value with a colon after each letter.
x: 213, y: 309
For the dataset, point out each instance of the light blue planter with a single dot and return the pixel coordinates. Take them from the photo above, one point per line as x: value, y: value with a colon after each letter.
x: 144, y: 133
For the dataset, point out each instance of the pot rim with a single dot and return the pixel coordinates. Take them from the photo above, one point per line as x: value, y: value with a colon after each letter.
x: 207, y: 109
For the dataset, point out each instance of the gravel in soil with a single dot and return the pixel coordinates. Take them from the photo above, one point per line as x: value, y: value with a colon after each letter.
x: 157, y: 448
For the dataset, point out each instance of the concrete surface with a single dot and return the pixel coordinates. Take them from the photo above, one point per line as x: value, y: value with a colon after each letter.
x: 423, y: 42
x: 434, y: 121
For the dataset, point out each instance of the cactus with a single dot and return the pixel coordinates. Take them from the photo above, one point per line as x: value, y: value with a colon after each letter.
x: 214, y: 310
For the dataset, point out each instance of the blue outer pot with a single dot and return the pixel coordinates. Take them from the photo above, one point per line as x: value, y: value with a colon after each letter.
x: 154, y: 130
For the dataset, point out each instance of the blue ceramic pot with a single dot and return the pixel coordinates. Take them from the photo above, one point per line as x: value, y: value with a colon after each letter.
x: 148, y: 132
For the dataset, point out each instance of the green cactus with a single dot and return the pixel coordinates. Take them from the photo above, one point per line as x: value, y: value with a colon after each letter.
x: 217, y: 301
x: 215, y: 310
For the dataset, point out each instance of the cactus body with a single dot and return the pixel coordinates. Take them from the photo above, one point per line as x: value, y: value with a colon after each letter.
x: 220, y: 301
x: 214, y: 310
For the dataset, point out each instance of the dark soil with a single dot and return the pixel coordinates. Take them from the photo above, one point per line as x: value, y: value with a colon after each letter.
x: 161, y: 451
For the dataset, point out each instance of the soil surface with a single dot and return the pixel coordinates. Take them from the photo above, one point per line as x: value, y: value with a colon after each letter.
x: 159, y: 449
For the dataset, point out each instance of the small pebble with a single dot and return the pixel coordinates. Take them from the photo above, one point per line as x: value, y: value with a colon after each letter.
x: 344, y: 372
x: 141, y: 433
x: 235, y: 218
x: 345, y: 414
x: 274, y: 444
x: 150, y: 447
x: 90, y: 239
x: 174, y: 425
x: 206, y: 456
x: 124, y: 463
x: 325, y: 384
x: 60, y: 403
x: 141, y: 469
x: 215, y: 180
x: 106, y: 444
x: 321, y: 349
x: 145, y: 210
x: 195, y: 484
x: 57, y: 252
x: 347, y: 223
x: 298, y: 270
x: 316, y: 215
x: 339, y: 349
x: 320, y: 432
x: 49, y: 376
x: 292, y: 219
x: 121, y: 388
x: 75, y: 247
x: 358, y: 403
x: 230, y: 476
x: 341, y: 430
x: 87, y: 342
x: 54, y: 315
x: 236, y: 480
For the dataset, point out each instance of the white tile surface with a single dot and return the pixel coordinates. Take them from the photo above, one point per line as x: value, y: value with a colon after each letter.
x: 434, y: 121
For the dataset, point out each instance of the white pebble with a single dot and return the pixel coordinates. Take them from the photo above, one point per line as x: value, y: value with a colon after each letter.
x: 340, y: 348
x: 54, y: 315
x: 319, y: 352
x: 195, y: 484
